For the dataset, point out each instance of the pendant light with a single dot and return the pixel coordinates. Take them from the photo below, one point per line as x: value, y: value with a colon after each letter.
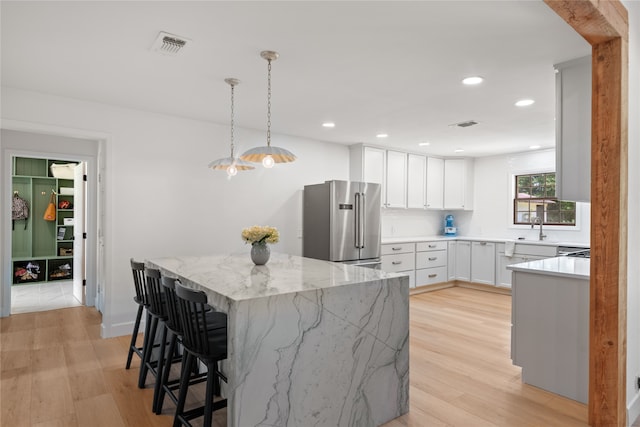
x: 268, y: 155
x: 231, y: 164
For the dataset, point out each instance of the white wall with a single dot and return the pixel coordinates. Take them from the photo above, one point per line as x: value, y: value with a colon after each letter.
x: 493, y: 187
x: 161, y: 199
x: 633, y: 246
x: 493, y: 200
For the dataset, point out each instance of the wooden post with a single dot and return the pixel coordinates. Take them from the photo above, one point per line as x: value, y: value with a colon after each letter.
x: 604, y: 24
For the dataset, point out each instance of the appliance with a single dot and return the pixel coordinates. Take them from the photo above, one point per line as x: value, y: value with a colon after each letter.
x: 268, y: 155
x: 231, y: 164
x: 574, y: 251
x: 341, y: 222
x: 449, y: 228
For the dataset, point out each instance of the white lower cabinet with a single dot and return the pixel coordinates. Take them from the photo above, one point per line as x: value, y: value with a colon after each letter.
x: 521, y: 253
x: 431, y: 263
x: 483, y: 263
x: 451, y: 261
x: 463, y: 260
x: 400, y: 258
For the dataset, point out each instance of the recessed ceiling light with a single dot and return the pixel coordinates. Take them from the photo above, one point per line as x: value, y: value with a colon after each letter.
x: 472, y: 80
x: 524, y: 102
x: 382, y: 135
x: 459, y: 150
x: 328, y: 125
x: 534, y: 147
x: 424, y: 144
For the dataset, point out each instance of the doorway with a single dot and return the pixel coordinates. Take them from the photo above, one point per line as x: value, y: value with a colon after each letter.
x: 48, y: 225
x: 51, y: 254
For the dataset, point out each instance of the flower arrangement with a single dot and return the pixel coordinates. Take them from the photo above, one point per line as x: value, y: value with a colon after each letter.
x: 260, y: 234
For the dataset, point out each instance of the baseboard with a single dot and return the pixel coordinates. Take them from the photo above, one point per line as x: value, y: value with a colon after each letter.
x: 482, y: 287
x: 633, y: 410
x: 119, y: 329
x: 430, y: 288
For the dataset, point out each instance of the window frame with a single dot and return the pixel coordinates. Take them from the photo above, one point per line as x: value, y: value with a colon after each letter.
x: 512, y: 196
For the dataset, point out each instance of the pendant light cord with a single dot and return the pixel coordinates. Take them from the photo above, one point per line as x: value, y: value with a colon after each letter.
x: 269, y: 103
x: 232, y: 116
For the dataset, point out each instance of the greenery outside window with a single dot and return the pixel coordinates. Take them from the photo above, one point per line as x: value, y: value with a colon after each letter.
x: 535, y: 196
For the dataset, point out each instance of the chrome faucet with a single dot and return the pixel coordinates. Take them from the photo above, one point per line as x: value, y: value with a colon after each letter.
x: 538, y: 220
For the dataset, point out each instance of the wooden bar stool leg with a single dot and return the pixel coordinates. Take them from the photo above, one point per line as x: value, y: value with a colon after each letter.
x: 147, y: 351
x: 166, y: 372
x: 184, y: 387
x: 134, y: 336
x: 159, y: 368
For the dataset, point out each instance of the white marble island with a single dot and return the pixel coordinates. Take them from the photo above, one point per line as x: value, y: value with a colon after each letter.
x: 311, y: 343
x: 550, y: 324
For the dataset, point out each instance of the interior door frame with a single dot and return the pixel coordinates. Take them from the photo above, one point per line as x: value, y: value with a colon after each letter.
x: 94, y: 167
x: 605, y: 25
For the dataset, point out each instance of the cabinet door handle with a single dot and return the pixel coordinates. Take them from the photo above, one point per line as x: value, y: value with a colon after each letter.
x: 483, y: 243
x: 431, y: 276
x: 433, y: 258
x: 396, y: 249
x: 433, y: 246
x: 396, y: 262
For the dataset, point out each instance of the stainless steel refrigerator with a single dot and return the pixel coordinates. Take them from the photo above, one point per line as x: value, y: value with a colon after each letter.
x: 341, y: 222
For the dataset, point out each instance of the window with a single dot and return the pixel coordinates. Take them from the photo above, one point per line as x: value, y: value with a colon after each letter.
x: 536, y: 198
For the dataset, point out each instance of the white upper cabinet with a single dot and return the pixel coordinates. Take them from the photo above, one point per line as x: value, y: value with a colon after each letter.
x: 374, y: 166
x: 368, y: 164
x: 435, y: 183
x: 396, y: 179
x: 573, y: 130
x: 416, y: 181
x: 458, y: 184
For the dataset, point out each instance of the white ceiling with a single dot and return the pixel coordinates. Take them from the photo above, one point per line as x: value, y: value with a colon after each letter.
x: 369, y: 66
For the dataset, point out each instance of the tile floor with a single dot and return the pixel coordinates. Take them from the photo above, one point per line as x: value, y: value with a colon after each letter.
x: 42, y: 297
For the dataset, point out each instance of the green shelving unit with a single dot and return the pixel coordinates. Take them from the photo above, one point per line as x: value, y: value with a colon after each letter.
x: 42, y: 250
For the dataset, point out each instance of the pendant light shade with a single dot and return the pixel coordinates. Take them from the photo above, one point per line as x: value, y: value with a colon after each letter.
x: 231, y: 164
x: 268, y: 154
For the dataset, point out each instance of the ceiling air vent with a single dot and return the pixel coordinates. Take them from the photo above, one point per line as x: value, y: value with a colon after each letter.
x: 169, y: 44
x: 465, y: 124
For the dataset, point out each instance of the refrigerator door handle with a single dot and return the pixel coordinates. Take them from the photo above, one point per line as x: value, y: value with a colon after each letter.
x: 362, y: 219
x: 357, y: 221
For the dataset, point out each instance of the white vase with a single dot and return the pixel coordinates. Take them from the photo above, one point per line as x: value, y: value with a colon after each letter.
x: 260, y: 253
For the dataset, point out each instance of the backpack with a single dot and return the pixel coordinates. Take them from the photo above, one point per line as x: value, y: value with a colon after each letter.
x: 19, y: 210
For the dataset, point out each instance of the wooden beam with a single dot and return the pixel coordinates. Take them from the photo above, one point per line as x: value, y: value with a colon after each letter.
x: 604, y: 24
x: 595, y: 20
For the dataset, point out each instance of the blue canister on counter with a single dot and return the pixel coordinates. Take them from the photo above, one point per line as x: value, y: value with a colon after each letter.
x: 449, y: 228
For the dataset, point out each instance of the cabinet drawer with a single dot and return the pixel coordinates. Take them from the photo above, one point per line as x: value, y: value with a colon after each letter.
x: 429, y: 276
x: 398, y: 262
x: 431, y: 259
x: 431, y: 246
x: 399, y: 248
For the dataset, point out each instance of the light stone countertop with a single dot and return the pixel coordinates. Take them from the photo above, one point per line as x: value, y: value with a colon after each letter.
x: 571, y: 267
x: 417, y: 239
x: 235, y: 277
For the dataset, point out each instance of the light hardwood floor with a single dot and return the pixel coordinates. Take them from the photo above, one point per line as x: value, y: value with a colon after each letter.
x: 56, y: 371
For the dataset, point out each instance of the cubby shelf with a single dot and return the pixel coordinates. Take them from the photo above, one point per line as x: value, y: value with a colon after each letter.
x: 35, y: 247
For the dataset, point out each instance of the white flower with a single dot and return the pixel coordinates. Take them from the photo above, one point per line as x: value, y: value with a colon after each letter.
x: 259, y: 234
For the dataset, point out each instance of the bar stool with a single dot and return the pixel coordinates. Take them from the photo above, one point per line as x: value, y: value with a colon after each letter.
x: 141, y: 299
x: 203, y: 343
x: 215, y: 320
x: 156, y: 312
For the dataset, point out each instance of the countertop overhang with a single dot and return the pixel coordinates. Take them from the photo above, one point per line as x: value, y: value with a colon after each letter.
x: 237, y: 278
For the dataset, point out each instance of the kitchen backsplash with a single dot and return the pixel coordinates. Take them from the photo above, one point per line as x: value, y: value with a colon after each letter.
x: 417, y: 223
x: 409, y: 223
